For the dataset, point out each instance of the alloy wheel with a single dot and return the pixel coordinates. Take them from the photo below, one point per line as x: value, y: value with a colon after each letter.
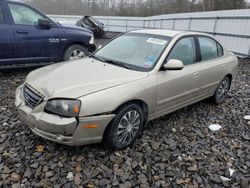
x: 128, y: 127
x: 223, y: 89
x: 76, y: 54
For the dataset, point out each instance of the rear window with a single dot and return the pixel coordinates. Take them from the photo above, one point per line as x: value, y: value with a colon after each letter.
x: 220, y: 50
x: 210, y: 49
x: 1, y: 15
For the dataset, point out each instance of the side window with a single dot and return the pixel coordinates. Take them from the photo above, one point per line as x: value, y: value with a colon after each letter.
x: 208, y: 48
x: 185, y: 51
x: 220, y: 50
x: 1, y: 16
x: 24, y: 15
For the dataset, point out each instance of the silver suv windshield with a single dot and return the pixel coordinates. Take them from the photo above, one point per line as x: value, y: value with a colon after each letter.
x: 135, y: 51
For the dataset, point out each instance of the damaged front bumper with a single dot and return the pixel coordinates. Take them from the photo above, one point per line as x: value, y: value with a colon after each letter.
x: 67, y: 131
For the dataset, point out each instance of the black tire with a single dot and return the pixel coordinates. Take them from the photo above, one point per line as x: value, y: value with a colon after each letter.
x: 222, y: 90
x: 71, y: 49
x: 111, y: 137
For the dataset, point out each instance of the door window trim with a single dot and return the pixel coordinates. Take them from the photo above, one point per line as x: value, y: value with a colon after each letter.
x: 28, y: 6
x: 3, y: 14
x: 172, y: 48
x: 199, y: 47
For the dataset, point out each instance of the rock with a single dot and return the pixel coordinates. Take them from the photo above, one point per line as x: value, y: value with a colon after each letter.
x: 79, y: 158
x: 90, y: 185
x: 193, y: 168
x: 77, y: 179
x: 14, y: 177
x: 183, y: 181
x: 78, y: 168
x: 156, y: 178
x: 60, y: 164
x: 172, y: 145
x: 16, y: 185
x: 127, y: 184
x: 106, y: 169
x: 5, y: 170
x: 173, y: 130
x: 49, y: 174
x: 142, y: 178
x: 155, y: 145
x: 34, y: 165
x: 246, y: 137
x: 45, y: 168
x: 70, y: 176
x: 104, y: 182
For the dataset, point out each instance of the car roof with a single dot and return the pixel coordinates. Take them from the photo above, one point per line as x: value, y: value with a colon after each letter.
x: 165, y: 32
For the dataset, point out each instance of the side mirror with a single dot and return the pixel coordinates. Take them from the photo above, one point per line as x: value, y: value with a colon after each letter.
x: 45, y: 23
x: 173, y: 64
x: 99, y: 47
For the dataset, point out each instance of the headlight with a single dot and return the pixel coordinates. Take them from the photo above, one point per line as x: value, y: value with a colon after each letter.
x: 92, y: 40
x: 64, y: 107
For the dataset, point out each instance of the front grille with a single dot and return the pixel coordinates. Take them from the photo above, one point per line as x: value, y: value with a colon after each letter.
x: 31, y: 96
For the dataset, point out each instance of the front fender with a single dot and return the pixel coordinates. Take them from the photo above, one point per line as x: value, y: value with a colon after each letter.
x: 106, y: 101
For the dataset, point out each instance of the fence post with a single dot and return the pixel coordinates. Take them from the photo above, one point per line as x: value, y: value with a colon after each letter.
x: 161, y: 24
x: 126, y: 25
x: 215, y: 25
x: 108, y: 24
x: 173, y: 23
x: 189, y: 23
x: 144, y: 24
x: 154, y: 23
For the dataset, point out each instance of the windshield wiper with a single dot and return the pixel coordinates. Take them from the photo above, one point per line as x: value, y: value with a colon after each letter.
x: 98, y: 58
x: 117, y: 63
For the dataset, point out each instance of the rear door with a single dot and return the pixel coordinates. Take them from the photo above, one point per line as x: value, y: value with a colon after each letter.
x: 212, y: 65
x: 33, y: 43
x: 7, y: 51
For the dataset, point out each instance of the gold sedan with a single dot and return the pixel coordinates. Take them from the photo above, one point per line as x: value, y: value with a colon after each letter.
x: 112, y: 94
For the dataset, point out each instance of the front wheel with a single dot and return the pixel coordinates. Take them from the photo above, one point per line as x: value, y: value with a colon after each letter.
x: 125, y: 127
x: 75, y: 52
x: 222, y: 90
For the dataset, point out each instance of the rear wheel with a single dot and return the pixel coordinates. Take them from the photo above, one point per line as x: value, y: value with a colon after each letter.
x: 222, y: 90
x: 125, y: 127
x: 75, y: 52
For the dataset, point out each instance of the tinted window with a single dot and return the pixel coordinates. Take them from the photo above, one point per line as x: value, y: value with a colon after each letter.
x: 220, y: 50
x: 208, y: 48
x: 1, y: 15
x: 184, y: 50
x: 24, y: 15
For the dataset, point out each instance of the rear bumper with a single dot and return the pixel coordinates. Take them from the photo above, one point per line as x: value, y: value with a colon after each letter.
x: 67, y: 131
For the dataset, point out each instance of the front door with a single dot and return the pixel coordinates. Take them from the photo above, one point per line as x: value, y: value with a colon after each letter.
x: 178, y: 88
x: 33, y: 42
x: 7, y: 51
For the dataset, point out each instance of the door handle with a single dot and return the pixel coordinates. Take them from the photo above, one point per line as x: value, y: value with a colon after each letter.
x: 22, y: 32
x: 196, y: 75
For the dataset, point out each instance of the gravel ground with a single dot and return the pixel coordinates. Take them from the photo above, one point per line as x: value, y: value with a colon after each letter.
x: 177, y: 150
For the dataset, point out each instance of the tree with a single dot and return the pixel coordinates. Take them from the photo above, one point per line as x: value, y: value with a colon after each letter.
x: 133, y: 7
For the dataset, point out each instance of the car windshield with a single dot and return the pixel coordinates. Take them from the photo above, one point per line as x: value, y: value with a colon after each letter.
x: 95, y: 21
x: 136, y: 51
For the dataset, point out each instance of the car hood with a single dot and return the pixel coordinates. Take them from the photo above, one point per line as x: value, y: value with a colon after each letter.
x: 75, y: 28
x: 79, y: 78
